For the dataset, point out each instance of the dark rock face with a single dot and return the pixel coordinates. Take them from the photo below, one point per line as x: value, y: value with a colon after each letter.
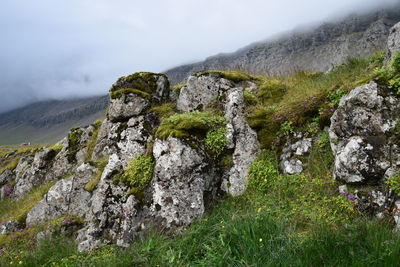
x: 360, y: 135
x: 317, y: 50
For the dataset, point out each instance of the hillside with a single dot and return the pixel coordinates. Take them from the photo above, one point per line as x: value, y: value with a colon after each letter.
x: 313, y: 50
x: 49, y: 121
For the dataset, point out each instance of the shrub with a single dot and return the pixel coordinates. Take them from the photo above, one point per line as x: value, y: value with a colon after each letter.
x: 216, y: 141
x: 262, y: 171
x: 189, y: 124
x: 139, y: 172
x: 394, y: 183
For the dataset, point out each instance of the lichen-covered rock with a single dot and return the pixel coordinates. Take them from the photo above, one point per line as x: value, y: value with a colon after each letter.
x: 9, y: 227
x: 132, y: 95
x: 362, y: 135
x: 66, y: 197
x: 183, y: 181
x: 31, y: 171
x: 393, y: 45
x: 296, y: 147
x: 6, y: 176
x: 242, y: 139
x: 201, y: 91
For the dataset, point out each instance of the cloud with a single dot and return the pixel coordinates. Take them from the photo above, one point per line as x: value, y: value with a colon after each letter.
x: 57, y: 49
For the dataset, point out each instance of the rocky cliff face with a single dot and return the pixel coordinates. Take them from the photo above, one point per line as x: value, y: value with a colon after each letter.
x: 317, y: 50
x: 143, y: 167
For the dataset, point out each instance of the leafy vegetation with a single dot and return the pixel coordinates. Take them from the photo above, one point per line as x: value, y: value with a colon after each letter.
x: 394, y: 184
x: 390, y: 74
x: 216, y: 141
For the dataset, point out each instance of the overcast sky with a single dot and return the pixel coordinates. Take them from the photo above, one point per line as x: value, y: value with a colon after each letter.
x: 57, y: 49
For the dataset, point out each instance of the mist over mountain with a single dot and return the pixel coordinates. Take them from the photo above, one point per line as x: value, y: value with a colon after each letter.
x: 315, y: 50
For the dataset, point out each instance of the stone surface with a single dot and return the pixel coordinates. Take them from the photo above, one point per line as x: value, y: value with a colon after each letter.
x: 201, y: 91
x: 127, y: 106
x: 9, y: 227
x: 183, y: 179
x: 66, y: 197
x: 393, y: 45
x: 296, y: 146
x: 242, y: 139
x: 361, y: 135
x: 31, y: 171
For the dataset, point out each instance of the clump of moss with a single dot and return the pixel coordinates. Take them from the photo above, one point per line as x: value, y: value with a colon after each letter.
x: 143, y: 84
x: 163, y: 111
x: 57, y: 147
x: 92, y: 184
x: 271, y: 91
x: 234, y: 76
x: 92, y: 143
x: 137, y: 175
x: 249, y: 97
x: 126, y: 91
x: 73, y: 143
x: 189, y: 124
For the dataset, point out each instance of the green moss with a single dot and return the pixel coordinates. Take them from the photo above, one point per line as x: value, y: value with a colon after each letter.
x: 73, y: 143
x: 234, y: 76
x: 92, y: 184
x: 216, y: 141
x: 189, y: 124
x: 57, y: 147
x: 125, y: 91
x: 163, y: 111
x: 138, y: 173
x: 91, y: 145
x: 226, y: 161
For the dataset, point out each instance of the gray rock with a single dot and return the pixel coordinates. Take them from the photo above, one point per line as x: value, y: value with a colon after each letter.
x: 393, y: 44
x: 6, y: 176
x: 66, y: 197
x: 295, y: 147
x: 9, y: 227
x: 201, y: 91
x: 359, y: 137
x: 242, y: 139
x: 31, y: 171
x: 127, y: 106
x: 183, y: 178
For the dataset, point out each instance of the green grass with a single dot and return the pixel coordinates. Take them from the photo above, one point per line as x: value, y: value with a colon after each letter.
x: 92, y: 184
x: 125, y: 91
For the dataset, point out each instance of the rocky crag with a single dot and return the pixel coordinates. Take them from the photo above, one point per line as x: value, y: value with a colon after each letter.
x: 317, y: 50
x: 151, y: 165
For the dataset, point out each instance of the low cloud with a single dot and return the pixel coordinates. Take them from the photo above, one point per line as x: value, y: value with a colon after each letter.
x: 54, y: 49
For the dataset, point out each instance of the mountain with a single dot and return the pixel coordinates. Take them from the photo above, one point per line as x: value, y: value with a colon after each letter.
x: 318, y: 49
x: 49, y: 121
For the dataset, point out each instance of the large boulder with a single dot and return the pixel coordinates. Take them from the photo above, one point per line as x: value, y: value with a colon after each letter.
x: 363, y: 137
x: 132, y: 95
x: 184, y: 179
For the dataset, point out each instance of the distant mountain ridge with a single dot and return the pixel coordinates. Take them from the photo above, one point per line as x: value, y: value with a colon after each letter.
x: 314, y: 50
x: 48, y: 121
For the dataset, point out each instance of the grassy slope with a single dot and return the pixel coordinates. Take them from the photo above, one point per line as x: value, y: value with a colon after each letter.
x: 298, y: 220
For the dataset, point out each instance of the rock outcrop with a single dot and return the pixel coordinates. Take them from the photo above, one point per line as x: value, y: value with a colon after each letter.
x: 360, y: 133
x: 297, y: 146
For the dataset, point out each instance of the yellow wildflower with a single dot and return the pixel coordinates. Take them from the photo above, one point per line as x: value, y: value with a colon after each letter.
x: 11, y: 262
x: 20, y: 262
x: 260, y: 239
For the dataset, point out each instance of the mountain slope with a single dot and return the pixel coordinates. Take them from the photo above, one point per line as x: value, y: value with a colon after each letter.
x: 49, y: 121
x: 315, y: 50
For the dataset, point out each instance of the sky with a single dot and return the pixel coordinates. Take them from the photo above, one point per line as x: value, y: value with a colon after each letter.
x: 53, y: 49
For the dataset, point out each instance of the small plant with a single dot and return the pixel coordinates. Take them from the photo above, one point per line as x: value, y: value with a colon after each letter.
x: 139, y: 172
x: 262, y: 171
x: 216, y: 141
x: 286, y: 128
x: 335, y: 97
x: 394, y: 183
